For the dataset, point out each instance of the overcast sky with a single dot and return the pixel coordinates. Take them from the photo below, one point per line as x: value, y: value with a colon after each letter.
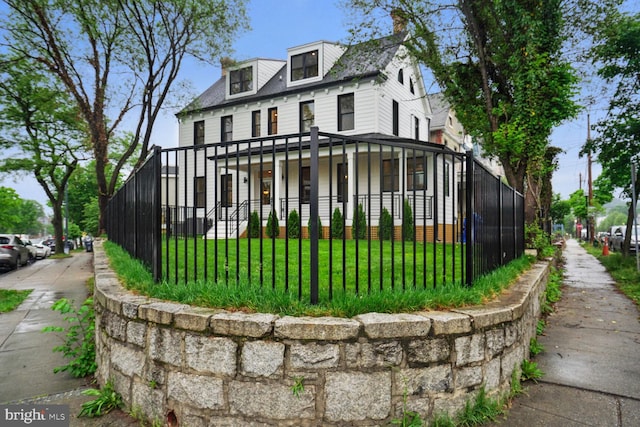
x: 281, y: 24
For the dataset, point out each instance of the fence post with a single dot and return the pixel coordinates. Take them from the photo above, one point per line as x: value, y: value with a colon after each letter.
x: 313, y: 215
x: 157, y: 214
x: 470, y: 228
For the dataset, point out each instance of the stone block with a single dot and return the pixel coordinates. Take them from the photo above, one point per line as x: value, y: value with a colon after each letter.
x: 165, y: 345
x: 492, y: 374
x: 449, y: 322
x: 196, y: 390
x: 127, y: 360
x: 495, y: 341
x: 357, y: 396
x: 239, y: 324
x: 115, y: 326
x: 487, y: 316
x: 131, y: 304
x: 400, y: 325
x: 317, y: 328
x: 511, y: 333
x: 510, y: 361
x: 421, y: 381
x: 210, y: 354
x: 274, y: 401
x: 469, y: 349
x: 193, y: 318
x: 314, y: 356
x: 468, y: 377
x: 136, y: 333
x: 262, y: 359
x: 428, y: 351
x: 150, y: 400
x: 373, y: 354
x: 160, y: 312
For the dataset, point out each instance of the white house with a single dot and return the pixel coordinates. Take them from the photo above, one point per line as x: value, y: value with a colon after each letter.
x: 243, y: 121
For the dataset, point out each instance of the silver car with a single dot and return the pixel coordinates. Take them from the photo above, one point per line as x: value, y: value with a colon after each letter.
x: 618, y: 235
x: 13, y: 252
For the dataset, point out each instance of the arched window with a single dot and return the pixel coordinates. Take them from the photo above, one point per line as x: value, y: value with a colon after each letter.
x: 401, y: 76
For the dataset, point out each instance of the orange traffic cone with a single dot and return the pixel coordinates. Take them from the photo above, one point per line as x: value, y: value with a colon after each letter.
x: 605, y: 247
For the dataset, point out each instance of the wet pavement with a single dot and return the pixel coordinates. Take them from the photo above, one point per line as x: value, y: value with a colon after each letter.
x: 591, y: 361
x: 26, y: 357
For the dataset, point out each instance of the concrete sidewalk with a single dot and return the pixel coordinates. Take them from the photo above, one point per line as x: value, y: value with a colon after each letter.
x: 591, y: 360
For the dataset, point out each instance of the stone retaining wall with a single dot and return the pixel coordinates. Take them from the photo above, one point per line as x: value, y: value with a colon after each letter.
x: 191, y: 366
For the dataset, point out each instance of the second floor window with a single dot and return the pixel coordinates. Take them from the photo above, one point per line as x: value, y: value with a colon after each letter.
x: 396, y: 118
x: 307, y: 116
x: 346, y: 112
x: 241, y: 80
x: 226, y: 128
x: 304, y: 65
x: 255, y: 124
x: 198, y: 132
x: 272, y: 125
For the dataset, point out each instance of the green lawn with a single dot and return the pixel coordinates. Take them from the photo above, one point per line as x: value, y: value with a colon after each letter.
x: 263, y: 292
x: 11, y: 299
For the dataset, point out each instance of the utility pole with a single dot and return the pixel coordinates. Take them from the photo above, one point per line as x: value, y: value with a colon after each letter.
x: 590, y: 221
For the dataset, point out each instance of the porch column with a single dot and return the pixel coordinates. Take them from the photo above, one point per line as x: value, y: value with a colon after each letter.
x: 351, y: 184
x: 276, y: 182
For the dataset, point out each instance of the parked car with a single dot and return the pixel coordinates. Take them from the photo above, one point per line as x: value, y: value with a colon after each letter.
x: 42, y: 250
x: 618, y: 235
x: 13, y: 252
x: 33, y: 252
x: 51, y: 243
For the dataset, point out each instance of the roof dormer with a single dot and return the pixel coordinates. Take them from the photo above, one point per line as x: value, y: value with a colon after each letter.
x: 309, y: 63
x: 247, y: 77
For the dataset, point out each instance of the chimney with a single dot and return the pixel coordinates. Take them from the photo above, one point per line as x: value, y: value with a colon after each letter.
x: 399, y: 20
x: 225, y: 63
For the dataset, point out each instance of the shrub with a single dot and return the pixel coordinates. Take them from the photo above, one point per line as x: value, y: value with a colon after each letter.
x: 337, y: 224
x: 385, y: 227
x: 319, y: 227
x: 79, y: 341
x: 407, y: 222
x: 273, y: 227
x: 293, y: 225
x: 359, y: 223
x: 254, y: 225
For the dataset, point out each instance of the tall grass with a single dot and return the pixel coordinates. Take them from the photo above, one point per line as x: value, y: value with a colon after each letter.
x: 246, y: 294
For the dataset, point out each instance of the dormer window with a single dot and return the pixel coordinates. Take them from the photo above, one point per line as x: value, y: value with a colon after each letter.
x: 241, y: 80
x: 304, y: 66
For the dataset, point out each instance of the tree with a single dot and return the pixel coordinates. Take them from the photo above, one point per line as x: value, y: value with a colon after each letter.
x: 273, y: 226
x: 293, y: 225
x: 119, y: 60
x: 9, y: 210
x: 39, y: 122
x: 385, y: 225
x: 618, y: 144
x: 559, y: 209
x: 337, y: 224
x: 30, y: 214
x: 500, y: 66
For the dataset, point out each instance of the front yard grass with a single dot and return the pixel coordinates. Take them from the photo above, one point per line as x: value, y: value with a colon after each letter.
x: 250, y: 294
x: 10, y: 299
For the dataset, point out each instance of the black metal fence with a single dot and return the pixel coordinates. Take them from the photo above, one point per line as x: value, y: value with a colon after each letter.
x: 317, y: 213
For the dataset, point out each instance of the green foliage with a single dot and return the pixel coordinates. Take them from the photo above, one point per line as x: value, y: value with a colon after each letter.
x: 320, y: 233
x: 540, y: 326
x: 409, y: 418
x: 407, y: 222
x: 535, y: 347
x: 273, y: 227
x: 106, y: 400
x: 536, y: 238
x: 623, y: 270
x: 254, y: 225
x: 11, y: 298
x: 79, y: 340
x: 530, y: 371
x: 515, y: 387
x: 359, y: 229
x: 559, y: 209
x: 293, y: 225
x: 385, y: 227
x: 91, y: 216
x: 10, y: 204
x: 298, y: 386
x: 337, y: 224
x: 482, y: 410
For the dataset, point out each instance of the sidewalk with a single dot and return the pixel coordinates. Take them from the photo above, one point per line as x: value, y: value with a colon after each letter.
x: 591, y: 360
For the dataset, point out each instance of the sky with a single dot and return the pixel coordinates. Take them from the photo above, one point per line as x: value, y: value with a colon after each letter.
x: 277, y: 25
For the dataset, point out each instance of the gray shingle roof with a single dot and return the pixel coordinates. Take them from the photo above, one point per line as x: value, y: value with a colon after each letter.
x: 440, y: 110
x: 359, y: 61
